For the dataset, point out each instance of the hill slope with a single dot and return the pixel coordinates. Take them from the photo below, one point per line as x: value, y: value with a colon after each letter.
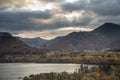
x: 12, y: 45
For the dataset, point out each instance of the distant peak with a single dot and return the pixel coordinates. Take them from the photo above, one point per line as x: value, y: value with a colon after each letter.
x: 5, y: 34
x: 108, y: 27
x: 110, y: 24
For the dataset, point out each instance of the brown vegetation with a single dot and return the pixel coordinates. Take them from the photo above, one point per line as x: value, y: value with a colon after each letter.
x: 88, y: 58
x: 95, y: 73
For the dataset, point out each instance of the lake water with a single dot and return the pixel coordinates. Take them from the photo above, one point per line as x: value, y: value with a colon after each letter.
x: 11, y: 71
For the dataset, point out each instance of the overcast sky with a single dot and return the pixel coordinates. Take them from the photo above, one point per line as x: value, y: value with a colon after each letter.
x: 51, y: 18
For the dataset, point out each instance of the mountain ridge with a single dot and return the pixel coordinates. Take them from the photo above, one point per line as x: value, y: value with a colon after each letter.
x: 98, y: 39
x: 104, y: 37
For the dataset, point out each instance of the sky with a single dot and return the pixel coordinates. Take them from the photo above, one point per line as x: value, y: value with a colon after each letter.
x: 51, y: 18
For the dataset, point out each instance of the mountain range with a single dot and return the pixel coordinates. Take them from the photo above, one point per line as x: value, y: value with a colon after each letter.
x: 107, y: 36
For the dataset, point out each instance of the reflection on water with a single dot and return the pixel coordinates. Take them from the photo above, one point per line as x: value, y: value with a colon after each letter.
x: 11, y: 71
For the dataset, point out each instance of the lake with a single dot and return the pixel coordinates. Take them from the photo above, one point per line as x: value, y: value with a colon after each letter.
x: 11, y: 71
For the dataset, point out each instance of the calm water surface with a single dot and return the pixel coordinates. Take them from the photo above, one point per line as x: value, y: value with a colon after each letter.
x: 11, y: 71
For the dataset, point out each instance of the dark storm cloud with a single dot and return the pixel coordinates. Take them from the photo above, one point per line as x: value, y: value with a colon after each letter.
x: 6, y: 15
x: 105, y: 7
x: 17, y: 20
x: 100, y: 7
x: 25, y: 21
